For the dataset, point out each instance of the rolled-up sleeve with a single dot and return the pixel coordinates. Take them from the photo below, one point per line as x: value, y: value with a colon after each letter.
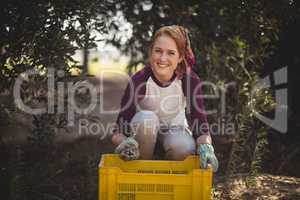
x: 127, y: 110
x: 196, y: 114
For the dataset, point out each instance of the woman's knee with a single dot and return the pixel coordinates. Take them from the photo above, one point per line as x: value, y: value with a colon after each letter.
x: 180, y: 149
x: 180, y: 154
x: 145, y: 117
x: 144, y: 125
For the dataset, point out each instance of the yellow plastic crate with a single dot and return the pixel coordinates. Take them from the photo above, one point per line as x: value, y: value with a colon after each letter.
x: 153, y: 179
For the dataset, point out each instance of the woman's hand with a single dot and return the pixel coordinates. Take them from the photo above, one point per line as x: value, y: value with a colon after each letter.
x: 206, y: 153
x: 118, y: 138
x: 207, y: 156
x: 128, y: 149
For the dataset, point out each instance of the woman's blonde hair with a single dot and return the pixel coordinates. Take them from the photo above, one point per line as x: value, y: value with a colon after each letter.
x: 181, y: 37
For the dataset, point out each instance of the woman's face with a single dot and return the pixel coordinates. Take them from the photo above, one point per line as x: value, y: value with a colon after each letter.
x: 164, y: 58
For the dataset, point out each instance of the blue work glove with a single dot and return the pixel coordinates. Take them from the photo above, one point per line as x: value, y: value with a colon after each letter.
x: 207, y: 155
x: 128, y: 149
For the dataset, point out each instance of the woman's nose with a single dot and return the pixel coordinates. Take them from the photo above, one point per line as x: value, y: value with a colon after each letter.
x: 163, y: 57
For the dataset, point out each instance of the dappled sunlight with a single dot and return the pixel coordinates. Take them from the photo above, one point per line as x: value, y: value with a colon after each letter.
x: 110, y: 69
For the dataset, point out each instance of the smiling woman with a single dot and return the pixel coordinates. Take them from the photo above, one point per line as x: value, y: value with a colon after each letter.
x: 163, y: 105
x: 164, y: 58
x: 171, y: 46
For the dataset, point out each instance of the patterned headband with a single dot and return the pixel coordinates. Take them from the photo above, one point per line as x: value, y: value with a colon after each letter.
x: 189, y: 55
